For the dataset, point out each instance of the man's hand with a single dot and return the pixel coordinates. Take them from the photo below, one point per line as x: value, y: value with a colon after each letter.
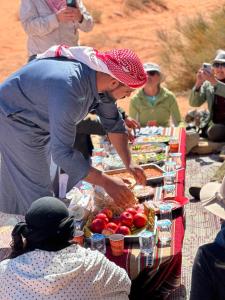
x: 131, y: 136
x: 131, y: 123
x: 69, y: 14
x: 138, y: 174
x: 118, y: 191
x: 209, y: 76
x: 199, y: 79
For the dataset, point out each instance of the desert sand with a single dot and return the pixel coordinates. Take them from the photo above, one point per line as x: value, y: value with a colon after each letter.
x: 117, y: 28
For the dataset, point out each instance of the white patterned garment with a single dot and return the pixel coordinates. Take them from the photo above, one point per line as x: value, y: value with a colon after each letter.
x: 72, y: 273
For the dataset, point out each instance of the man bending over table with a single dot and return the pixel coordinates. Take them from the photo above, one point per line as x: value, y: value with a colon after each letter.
x: 40, y: 106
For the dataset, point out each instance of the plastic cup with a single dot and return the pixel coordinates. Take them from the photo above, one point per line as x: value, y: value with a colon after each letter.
x: 176, y: 157
x: 146, y: 242
x: 170, y: 166
x: 78, y: 237
x: 165, y: 210
x: 174, y: 145
x: 169, y: 178
x: 164, y: 232
x: 169, y: 190
x: 98, y: 242
x: 117, y: 244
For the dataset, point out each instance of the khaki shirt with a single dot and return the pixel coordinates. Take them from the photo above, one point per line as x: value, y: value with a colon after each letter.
x: 206, y: 94
x: 43, y: 29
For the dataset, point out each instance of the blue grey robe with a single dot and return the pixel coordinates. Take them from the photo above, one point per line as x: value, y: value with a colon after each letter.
x: 40, y: 106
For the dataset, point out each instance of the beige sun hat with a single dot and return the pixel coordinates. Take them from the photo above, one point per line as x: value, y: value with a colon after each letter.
x: 220, y: 56
x: 149, y: 66
x: 212, y: 196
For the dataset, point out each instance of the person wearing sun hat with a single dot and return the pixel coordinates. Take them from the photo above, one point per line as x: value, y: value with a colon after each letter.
x: 210, y: 88
x: 212, y: 197
x: 208, y: 273
x: 154, y: 104
x: 40, y: 107
x: 45, y: 265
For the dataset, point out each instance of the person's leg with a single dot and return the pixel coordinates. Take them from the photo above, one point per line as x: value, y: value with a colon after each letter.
x: 216, y: 133
x: 194, y: 191
x: 90, y: 125
x: 24, y: 171
x: 84, y: 144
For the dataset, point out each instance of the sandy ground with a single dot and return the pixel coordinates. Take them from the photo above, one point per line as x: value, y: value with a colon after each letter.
x: 118, y: 28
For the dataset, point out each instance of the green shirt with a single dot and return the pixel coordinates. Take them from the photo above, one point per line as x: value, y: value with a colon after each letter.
x: 206, y: 93
x: 164, y: 107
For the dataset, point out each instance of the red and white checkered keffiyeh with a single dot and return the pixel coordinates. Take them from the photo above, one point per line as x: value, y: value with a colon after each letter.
x: 122, y: 64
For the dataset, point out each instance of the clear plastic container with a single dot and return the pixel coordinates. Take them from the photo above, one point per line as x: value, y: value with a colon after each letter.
x: 164, y: 232
x: 169, y: 178
x: 170, y: 166
x: 176, y: 157
x: 98, y: 242
x: 165, y: 210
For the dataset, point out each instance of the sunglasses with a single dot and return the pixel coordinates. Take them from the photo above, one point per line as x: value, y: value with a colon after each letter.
x: 152, y: 73
x: 217, y: 65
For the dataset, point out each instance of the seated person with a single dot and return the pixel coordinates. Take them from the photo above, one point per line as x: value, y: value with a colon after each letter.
x: 44, y: 265
x: 197, y: 120
x: 210, y: 88
x: 154, y: 104
x: 92, y: 125
x: 218, y: 175
x: 208, y: 273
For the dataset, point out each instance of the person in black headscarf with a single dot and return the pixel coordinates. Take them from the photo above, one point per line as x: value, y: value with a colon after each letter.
x: 45, y: 265
x: 47, y: 226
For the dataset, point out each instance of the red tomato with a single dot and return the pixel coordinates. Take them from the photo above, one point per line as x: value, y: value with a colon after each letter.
x: 112, y: 226
x: 107, y: 232
x: 97, y: 225
x: 102, y: 217
x: 132, y: 211
x: 140, y: 220
x: 107, y: 212
x: 123, y: 230
x: 126, y: 219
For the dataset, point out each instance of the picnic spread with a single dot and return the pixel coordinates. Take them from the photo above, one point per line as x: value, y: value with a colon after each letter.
x: 162, y: 273
x: 165, y: 273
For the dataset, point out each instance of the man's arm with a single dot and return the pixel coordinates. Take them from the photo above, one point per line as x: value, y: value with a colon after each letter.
x: 115, y: 187
x: 120, y: 142
x: 112, y: 121
x: 33, y: 23
x: 87, y: 22
x: 63, y: 133
x: 198, y: 93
